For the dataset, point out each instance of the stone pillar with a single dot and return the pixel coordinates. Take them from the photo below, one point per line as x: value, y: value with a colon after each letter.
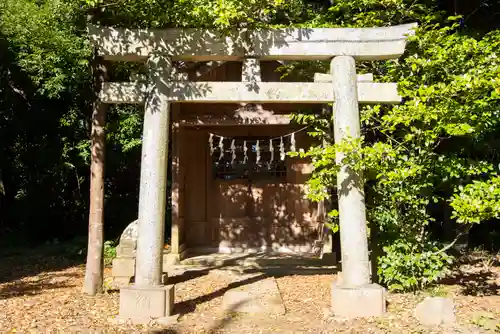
x: 153, y: 181
x: 148, y: 298
x: 352, y: 216
x: 354, y: 296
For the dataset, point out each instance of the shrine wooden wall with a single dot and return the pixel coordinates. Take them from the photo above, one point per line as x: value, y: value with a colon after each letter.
x: 240, y: 214
x: 235, y: 214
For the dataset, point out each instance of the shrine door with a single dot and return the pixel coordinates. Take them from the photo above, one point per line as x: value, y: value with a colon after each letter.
x: 250, y: 191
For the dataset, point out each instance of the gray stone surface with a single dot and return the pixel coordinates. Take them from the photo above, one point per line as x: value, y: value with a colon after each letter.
x: 128, y: 241
x: 124, y: 267
x: 125, y: 251
x: 291, y: 44
x: 120, y: 282
x: 327, y: 77
x: 351, y: 199
x: 234, y: 92
x: 153, y: 178
x: 129, y: 235
x: 172, y: 259
x: 435, y: 311
x: 259, y: 297
x: 358, y: 302
x: 141, y: 305
x: 124, y: 264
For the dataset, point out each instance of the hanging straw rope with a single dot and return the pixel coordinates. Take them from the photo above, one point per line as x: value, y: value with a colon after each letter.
x: 232, y: 147
x: 274, y: 138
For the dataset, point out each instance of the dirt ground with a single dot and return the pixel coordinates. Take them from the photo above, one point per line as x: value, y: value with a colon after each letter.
x: 35, y: 297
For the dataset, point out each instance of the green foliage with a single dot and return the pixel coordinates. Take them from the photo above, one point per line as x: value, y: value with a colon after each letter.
x: 450, y: 83
x: 438, y: 291
x: 477, y: 202
x: 406, y: 267
x: 220, y: 14
x: 54, y: 59
x: 109, y: 252
x: 45, y: 108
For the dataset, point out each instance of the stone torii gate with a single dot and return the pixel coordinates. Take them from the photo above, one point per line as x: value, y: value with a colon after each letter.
x: 148, y: 298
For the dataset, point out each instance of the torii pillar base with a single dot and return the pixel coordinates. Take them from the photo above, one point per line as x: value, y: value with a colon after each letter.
x: 146, y: 305
x: 359, y: 301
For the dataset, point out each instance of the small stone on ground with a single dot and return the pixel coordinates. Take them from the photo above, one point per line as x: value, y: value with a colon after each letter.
x: 435, y: 311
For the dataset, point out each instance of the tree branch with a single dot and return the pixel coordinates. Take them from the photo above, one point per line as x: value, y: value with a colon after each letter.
x: 444, y: 249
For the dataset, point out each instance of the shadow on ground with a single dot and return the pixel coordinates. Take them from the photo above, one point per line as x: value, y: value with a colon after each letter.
x: 34, y: 262
x: 32, y: 287
x: 30, y: 271
x: 259, y: 265
x: 189, y: 306
x: 477, y: 276
x: 481, y: 283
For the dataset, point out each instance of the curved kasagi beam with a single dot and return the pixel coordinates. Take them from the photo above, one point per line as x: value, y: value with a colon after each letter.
x: 269, y: 44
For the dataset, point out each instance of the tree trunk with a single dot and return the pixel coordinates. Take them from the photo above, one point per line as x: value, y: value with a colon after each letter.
x: 95, y: 262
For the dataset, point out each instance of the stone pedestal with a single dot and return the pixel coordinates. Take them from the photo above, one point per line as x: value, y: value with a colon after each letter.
x: 142, y: 305
x: 171, y: 259
x: 123, y: 271
x: 356, y: 302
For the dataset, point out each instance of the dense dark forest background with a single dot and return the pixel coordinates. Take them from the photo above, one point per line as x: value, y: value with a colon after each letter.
x: 46, y: 101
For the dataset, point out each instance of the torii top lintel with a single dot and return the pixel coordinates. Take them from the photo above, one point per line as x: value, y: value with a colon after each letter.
x: 121, y: 44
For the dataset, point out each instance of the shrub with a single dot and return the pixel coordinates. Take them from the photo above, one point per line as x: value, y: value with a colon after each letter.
x: 109, y: 252
x: 407, y: 267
